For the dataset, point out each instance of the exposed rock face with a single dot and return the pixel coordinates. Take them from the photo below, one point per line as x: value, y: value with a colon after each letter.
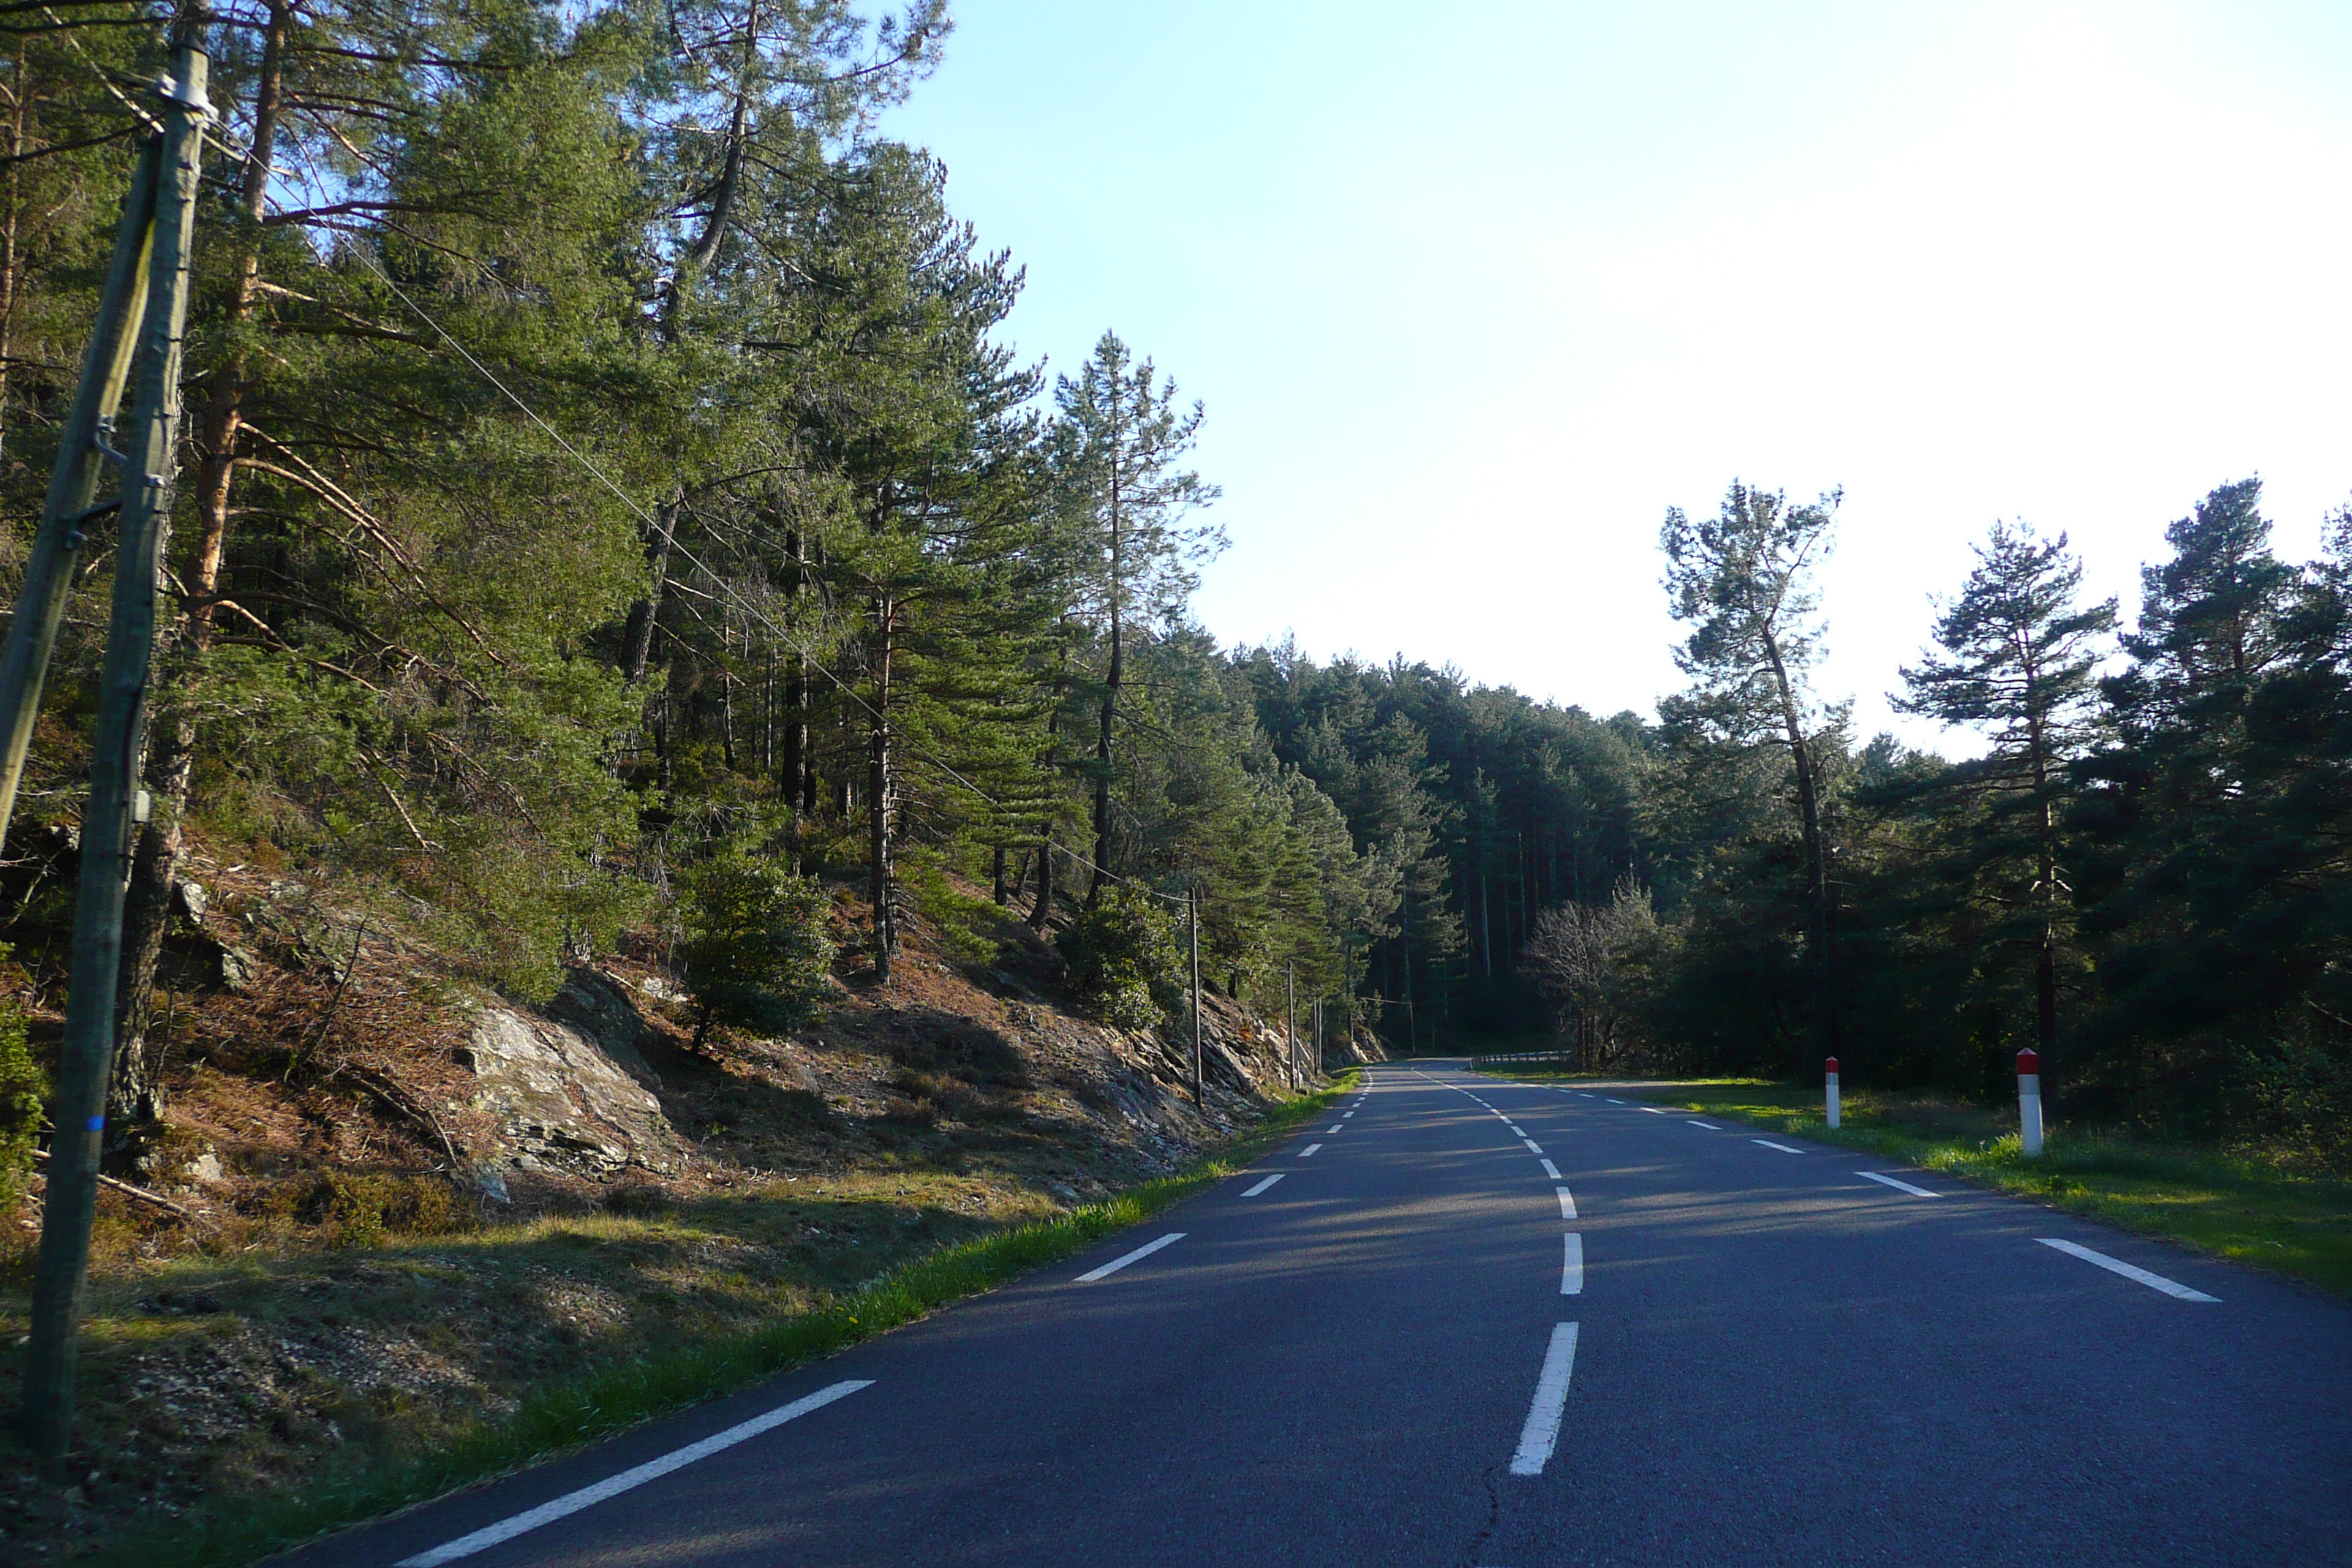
x: 568, y: 1098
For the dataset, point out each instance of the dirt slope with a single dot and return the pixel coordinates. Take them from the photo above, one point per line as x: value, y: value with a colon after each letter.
x: 387, y: 1203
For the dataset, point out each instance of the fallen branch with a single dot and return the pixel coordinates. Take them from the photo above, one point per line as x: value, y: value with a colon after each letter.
x: 41, y: 1156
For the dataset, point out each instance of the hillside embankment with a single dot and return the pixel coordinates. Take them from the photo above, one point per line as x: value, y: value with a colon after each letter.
x: 388, y: 1209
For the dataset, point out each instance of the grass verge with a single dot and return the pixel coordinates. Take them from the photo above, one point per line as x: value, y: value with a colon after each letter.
x: 567, y: 1415
x: 2230, y: 1208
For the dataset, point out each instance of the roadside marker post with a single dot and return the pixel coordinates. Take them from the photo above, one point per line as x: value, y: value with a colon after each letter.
x: 2029, y: 1101
x: 1830, y: 1079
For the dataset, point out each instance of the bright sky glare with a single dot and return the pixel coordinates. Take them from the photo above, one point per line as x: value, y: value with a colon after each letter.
x: 1471, y: 302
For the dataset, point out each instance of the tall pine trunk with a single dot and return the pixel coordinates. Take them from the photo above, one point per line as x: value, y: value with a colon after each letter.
x: 10, y: 228
x: 135, y: 1094
x: 1809, y: 811
x: 1111, y: 683
x: 2045, y: 958
x: 879, y: 786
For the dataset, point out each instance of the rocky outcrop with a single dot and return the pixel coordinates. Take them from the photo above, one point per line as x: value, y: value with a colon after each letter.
x: 570, y: 1091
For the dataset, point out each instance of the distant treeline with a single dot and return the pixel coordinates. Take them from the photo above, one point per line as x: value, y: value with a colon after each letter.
x: 603, y: 462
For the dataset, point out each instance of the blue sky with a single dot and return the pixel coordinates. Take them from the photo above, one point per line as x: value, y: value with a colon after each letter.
x: 1472, y: 298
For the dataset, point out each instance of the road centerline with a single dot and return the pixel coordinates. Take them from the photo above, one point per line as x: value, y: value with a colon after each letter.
x: 1898, y: 1183
x: 1541, y: 1432
x: 1262, y: 1186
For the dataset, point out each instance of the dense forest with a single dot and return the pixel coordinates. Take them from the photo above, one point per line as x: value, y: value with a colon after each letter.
x: 609, y: 502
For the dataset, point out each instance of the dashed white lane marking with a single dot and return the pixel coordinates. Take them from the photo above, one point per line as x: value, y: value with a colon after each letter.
x: 1571, y: 1267
x: 1655, y: 1111
x: 1515, y: 1132
x: 1770, y: 1145
x: 627, y: 1480
x: 1550, y: 1169
x: 1345, y: 1114
x: 1335, y: 1127
x: 1616, y: 1102
x: 1566, y: 1204
x: 1533, y: 1147
x: 1586, y: 1094
x: 1902, y: 1186
x: 1309, y: 1150
x: 1541, y: 1432
x: 1710, y: 1126
x: 2117, y: 1265
x: 1262, y: 1186
x: 1116, y: 1263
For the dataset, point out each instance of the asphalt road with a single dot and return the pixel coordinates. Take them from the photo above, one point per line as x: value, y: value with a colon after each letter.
x: 1773, y: 1360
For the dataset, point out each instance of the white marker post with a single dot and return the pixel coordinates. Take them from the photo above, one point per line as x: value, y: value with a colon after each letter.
x: 2029, y: 1101
x: 1830, y: 1082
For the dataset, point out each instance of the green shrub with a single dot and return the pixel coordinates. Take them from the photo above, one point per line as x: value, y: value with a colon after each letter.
x: 755, y: 949
x: 356, y: 1211
x: 22, y: 1091
x: 1123, y: 958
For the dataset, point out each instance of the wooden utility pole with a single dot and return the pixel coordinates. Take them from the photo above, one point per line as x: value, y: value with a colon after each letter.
x: 1290, y: 1020
x: 73, y: 481
x: 86, y: 1060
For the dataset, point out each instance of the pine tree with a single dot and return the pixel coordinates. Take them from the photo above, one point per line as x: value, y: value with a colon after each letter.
x: 2019, y: 660
x: 1744, y: 579
x: 1117, y: 447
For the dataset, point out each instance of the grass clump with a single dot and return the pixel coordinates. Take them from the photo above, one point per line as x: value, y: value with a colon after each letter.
x: 2230, y: 1207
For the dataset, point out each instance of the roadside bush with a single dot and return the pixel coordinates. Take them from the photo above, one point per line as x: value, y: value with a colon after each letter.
x: 23, y: 1089
x: 2302, y: 1099
x: 1123, y: 958
x: 754, y: 950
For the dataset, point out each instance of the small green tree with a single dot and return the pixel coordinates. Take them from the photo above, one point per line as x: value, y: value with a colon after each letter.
x: 1123, y: 957
x: 755, y: 949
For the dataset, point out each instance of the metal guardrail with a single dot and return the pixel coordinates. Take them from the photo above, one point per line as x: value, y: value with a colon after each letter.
x: 1559, y: 1057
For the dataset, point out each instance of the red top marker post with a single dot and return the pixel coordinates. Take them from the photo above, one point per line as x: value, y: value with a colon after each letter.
x: 2029, y: 1063
x: 1831, y: 1066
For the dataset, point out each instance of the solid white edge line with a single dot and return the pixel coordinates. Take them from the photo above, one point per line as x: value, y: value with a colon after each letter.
x: 1710, y: 1126
x: 1571, y: 1266
x: 613, y: 1486
x: 1770, y: 1145
x: 1550, y: 1169
x: 1116, y: 1263
x: 1567, y: 1204
x: 2173, y: 1288
x: 1905, y: 1186
x: 1541, y: 1432
x: 1262, y: 1186
x: 1309, y: 1150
